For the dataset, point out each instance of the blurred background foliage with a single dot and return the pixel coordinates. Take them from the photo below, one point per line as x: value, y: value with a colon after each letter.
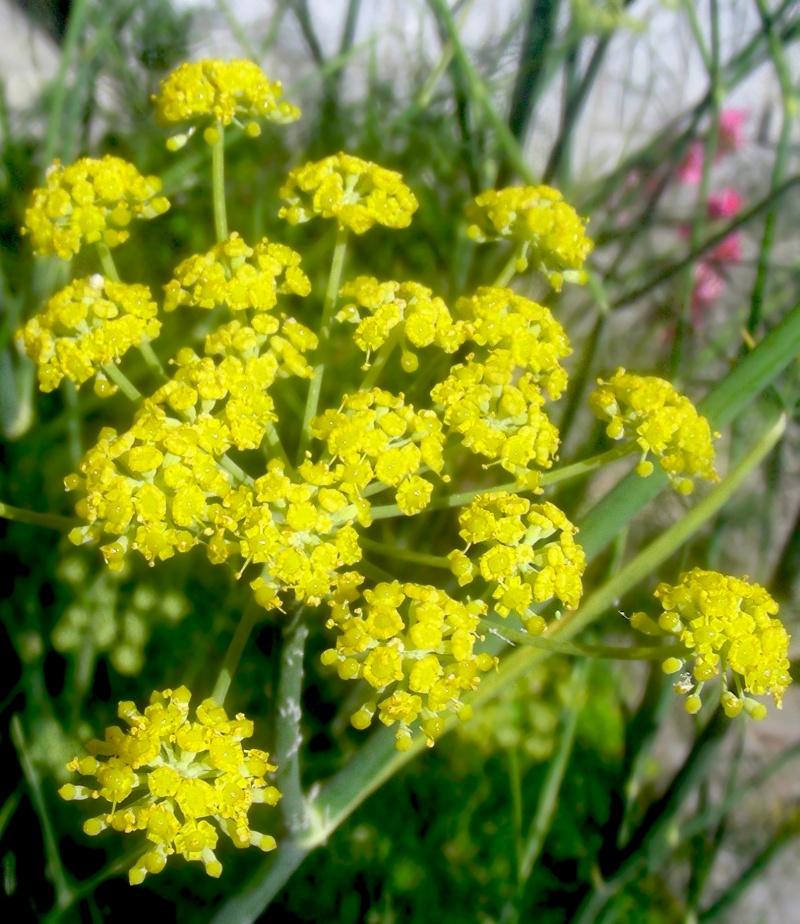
x: 572, y: 785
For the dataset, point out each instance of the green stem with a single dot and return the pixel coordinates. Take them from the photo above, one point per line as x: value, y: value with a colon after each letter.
x: 289, y: 738
x: 509, y: 269
x: 218, y: 183
x: 551, y: 787
x: 382, y: 357
x: 715, y: 93
x: 609, y: 652
x: 505, y: 137
x: 123, y: 383
x: 110, y: 271
x: 32, y: 518
x: 789, y: 101
x: 565, y: 473
x: 55, y: 869
x: 392, y: 551
x: 107, y: 261
x: 331, y: 293
x: 233, y: 655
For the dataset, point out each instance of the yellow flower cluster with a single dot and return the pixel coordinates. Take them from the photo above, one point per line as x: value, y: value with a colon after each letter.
x: 729, y: 627
x: 377, y: 436
x: 168, y: 774
x: 526, y: 333
x: 499, y: 420
x: 419, y: 643
x: 357, y: 193
x: 237, y: 276
x: 300, y: 532
x: 160, y: 487
x: 662, y: 422
x: 549, y: 231
x: 88, y: 202
x: 221, y: 92
x: 530, y: 555
x: 89, y: 323
x: 495, y: 400
x: 405, y: 310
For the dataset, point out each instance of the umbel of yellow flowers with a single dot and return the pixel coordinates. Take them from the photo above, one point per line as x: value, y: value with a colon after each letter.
x: 178, y: 781
x: 89, y: 323
x: 220, y: 93
x: 91, y: 201
x: 663, y: 423
x: 416, y: 644
x: 729, y: 628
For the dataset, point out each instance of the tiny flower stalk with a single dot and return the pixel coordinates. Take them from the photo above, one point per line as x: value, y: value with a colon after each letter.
x: 216, y: 138
x: 328, y: 306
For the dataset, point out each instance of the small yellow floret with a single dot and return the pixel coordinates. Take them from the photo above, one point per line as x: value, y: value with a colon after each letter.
x: 237, y: 276
x: 528, y: 556
x: 405, y: 311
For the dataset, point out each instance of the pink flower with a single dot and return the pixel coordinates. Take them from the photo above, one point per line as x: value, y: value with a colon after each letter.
x: 729, y: 250
x: 731, y: 129
x: 708, y: 286
x: 690, y: 170
x: 724, y: 203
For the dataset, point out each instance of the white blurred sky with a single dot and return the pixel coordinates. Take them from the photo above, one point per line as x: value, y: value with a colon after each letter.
x: 648, y: 75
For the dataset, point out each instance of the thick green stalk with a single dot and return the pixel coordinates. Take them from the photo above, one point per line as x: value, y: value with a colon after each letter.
x: 331, y: 294
x: 218, y: 183
x: 288, y: 735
